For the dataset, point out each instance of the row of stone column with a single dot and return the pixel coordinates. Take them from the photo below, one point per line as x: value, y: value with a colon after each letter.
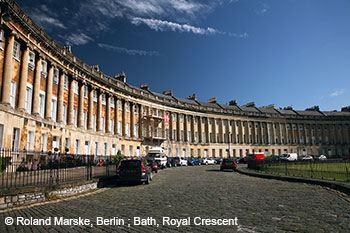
x: 257, y: 133
x: 6, y: 93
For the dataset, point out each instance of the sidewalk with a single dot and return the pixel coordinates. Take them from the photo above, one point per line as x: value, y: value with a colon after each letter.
x: 337, y: 185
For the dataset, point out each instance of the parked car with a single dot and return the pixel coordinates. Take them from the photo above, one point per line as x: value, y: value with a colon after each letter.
x: 171, y: 162
x: 275, y: 158
x: 321, y: 157
x: 290, y: 157
x: 218, y: 160
x: 194, y: 161
x: 153, y: 164
x: 241, y: 160
x: 208, y: 161
x: 228, y: 164
x: 307, y: 158
x: 346, y: 157
x: 256, y: 156
x: 183, y: 162
x: 176, y: 161
x: 134, y: 170
x: 159, y: 155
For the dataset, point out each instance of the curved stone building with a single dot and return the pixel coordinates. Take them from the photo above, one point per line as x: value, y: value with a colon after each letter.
x: 50, y: 99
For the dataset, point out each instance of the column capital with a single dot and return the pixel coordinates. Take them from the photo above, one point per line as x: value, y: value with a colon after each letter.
x: 42, y: 56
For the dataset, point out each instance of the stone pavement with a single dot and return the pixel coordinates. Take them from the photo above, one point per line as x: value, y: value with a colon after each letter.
x: 260, y: 205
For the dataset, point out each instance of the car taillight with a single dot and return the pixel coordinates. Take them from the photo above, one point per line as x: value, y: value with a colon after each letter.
x: 143, y: 169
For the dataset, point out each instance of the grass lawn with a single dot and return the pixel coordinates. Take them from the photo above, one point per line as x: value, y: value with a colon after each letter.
x: 324, y: 170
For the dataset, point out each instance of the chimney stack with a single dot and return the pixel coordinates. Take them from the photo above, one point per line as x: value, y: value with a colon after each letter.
x: 212, y: 100
x: 168, y: 92
x: 144, y: 87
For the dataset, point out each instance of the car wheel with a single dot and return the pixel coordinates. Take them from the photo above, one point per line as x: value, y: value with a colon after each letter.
x: 156, y: 171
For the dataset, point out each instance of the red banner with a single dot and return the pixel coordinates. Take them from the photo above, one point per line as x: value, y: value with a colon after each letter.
x: 166, y: 118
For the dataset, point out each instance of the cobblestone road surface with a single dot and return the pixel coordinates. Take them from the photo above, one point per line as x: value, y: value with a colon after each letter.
x: 260, y: 205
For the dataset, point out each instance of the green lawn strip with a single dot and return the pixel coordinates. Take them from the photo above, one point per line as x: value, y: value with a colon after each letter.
x: 330, y: 171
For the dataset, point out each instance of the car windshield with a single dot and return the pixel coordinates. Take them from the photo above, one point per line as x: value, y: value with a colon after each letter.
x: 130, y: 163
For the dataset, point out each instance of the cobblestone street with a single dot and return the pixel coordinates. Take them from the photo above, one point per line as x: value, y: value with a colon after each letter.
x: 260, y: 205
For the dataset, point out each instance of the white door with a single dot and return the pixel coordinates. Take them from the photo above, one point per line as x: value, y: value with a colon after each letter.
x: 205, y: 153
x: 184, y: 153
x: 87, y: 148
x: 138, y: 151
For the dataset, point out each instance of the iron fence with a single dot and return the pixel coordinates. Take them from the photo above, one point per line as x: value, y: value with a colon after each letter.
x: 32, y: 168
x: 332, y: 169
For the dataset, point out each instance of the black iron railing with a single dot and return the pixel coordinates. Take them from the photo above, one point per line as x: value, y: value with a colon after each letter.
x: 331, y: 169
x: 32, y: 168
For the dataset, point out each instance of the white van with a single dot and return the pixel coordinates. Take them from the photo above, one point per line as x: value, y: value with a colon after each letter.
x: 290, y: 157
x: 159, y: 156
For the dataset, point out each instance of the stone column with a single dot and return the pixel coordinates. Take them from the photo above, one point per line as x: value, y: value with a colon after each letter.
x: 140, y: 120
x: 124, y: 103
x: 49, y: 93
x: 185, y: 128
x: 99, y: 112
x: 116, y: 117
x: 296, y: 133
x: 213, y: 130
x: 228, y: 133
x: 178, y: 128
x: 108, y: 113
x: 207, y: 130
x: 171, y: 126
x: 36, y: 89
x: 23, y: 79
x: 247, y: 132
x: 8, y: 68
x: 60, y: 98
x: 91, y: 108
x: 131, y: 107
x: 71, y: 102
x: 234, y: 132
x: 81, y: 106
x: 240, y: 131
x: 193, y: 133
x: 163, y: 126
x: 221, y: 131
x: 200, y: 129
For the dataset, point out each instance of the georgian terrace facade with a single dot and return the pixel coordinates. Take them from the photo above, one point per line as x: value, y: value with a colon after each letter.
x: 50, y: 101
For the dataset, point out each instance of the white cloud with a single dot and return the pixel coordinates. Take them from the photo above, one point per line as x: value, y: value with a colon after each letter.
x: 262, y: 9
x: 46, y: 19
x: 337, y: 93
x: 163, y: 25
x: 77, y: 38
x: 132, y: 52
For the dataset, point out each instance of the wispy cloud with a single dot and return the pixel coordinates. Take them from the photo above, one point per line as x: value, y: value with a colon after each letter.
x: 45, y: 18
x: 262, y: 8
x: 163, y: 25
x: 89, y: 18
x: 337, y: 93
x: 77, y: 38
x: 132, y: 52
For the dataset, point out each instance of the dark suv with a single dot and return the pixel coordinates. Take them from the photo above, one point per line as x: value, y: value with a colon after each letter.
x: 228, y: 164
x: 134, y: 170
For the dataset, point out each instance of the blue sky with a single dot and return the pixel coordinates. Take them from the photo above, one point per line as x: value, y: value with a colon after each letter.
x: 282, y: 52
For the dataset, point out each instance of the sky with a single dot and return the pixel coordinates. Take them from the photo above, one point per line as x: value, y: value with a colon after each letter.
x: 283, y: 52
